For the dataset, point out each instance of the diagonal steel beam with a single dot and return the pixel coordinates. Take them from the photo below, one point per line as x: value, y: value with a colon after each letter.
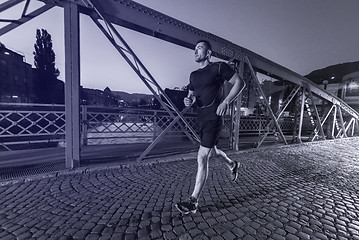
x: 144, y: 79
x: 270, y: 124
x: 266, y: 101
x: 137, y: 65
x: 24, y: 19
x: 352, y: 122
x: 9, y: 4
x: 341, y: 122
x: 318, y: 125
x: 161, y: 135
x: 25, y: 8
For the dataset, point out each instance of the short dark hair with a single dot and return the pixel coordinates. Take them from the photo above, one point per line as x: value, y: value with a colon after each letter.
x: 206, y: 43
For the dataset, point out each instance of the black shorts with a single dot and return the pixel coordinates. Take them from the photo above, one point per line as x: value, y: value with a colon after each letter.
x: 209, y: 132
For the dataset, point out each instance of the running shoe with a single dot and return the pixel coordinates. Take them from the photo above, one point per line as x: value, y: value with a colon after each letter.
x: 188, y: 206
x: 235, y: 171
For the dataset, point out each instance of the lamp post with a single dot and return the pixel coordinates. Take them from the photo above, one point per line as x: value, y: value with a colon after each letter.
x: 325, y: 82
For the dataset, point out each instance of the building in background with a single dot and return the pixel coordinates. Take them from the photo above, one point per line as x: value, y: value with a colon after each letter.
x: 16, y: 78
x: 97, y: 97
x: 350, y: 89
x: 342, y: 80
x: 18, y: 84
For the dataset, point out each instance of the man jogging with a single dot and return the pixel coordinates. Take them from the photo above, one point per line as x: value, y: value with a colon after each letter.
x: 205, y: 88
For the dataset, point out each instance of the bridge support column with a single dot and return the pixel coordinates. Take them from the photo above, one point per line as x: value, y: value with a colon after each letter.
x: 234, y: 135
x: 72, y: 85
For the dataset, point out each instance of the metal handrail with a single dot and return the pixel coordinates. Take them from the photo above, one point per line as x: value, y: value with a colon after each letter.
x: 28, y: 123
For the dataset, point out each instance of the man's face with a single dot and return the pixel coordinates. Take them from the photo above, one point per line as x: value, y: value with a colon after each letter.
x: 200, y: 52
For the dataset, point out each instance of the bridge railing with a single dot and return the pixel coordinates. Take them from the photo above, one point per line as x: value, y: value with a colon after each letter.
x: 25, y: 123
x: 31, y: 123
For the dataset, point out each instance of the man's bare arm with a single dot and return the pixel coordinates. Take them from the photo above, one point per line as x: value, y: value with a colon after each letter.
x: 238, y: 86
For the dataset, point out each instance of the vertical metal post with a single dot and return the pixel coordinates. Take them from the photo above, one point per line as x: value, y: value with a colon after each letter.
x: 334, y: 120
x: 341, y: 122
x: 232, y: 111
x: 154, y: 125
x: 350, y: 124
x: 84, y: 125
x: 72, y: 84
x: 235, y: 144
x: 317, y: 121
x: 301, y: 116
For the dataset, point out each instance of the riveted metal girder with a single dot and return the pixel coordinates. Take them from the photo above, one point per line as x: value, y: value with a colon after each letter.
x: 9, y: 4
x: 25, y: 17
x: 132, y: 15
x: 72, y: 85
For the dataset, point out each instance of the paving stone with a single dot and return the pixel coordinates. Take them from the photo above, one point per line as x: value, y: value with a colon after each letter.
x: 278, y: 237
x: 92, y: 236
x: 211, y: 221
x: 250, y: 230
x: 24, y: 236
x: 190, y: 225
x: 321, y: 236
x: 201, y: 237
x: 143, y: 233
x: 179, y: 230
x: 130, y: 236
x: 81, y: 234
x: 281, y: 232
x: 290, y: 229
x: 209, y: 232
x: 303, y: 236
x: 291, y: 236
x: 98, y: 228
x: 170, y: 236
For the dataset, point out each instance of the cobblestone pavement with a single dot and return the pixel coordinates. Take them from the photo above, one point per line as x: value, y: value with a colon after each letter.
x: 307, y: 191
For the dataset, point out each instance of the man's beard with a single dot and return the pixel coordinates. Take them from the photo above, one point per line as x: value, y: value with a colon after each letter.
x: 200, y: 59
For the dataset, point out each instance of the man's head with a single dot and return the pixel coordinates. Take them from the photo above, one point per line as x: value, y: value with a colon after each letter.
x: 203, y: 51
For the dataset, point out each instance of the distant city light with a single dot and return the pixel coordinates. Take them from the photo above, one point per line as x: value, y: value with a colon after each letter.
x: 332, y: 77
x: 14, y: 96
x: 353, y: 85
x: 7, y: 53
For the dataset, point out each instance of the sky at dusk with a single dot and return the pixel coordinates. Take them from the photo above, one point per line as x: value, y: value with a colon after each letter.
x: 303, y: 36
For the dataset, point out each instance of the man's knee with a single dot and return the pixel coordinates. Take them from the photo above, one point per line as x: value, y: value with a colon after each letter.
x: 203, y: 154
x: 216, y: 152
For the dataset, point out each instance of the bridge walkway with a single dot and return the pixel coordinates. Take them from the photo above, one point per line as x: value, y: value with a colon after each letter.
x: 27, y: 162
x: 301, y: 191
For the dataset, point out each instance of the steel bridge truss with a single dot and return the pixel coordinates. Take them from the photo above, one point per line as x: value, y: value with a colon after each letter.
x: 129, y: 14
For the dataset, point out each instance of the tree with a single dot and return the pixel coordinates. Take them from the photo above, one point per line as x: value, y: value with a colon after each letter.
x: 46, y: 72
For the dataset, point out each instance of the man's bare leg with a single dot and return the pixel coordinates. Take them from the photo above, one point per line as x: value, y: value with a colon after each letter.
x: 191, y: 205
x: 202, y: 170
x: 223, y: 157
x: 232, y: 165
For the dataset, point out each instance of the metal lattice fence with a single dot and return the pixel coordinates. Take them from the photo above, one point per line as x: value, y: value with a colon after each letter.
x: 24, y: 123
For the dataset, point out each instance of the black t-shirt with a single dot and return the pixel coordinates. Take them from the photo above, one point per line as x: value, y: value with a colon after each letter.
x: 207, y: 86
